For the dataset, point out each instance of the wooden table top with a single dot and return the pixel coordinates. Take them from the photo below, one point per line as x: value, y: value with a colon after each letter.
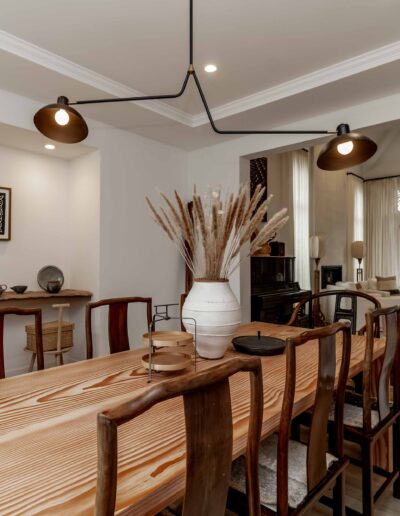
x: 48, y: 428
x: 41, y: 294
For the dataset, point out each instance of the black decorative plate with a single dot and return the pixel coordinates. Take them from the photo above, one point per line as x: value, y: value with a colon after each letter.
x: 259, y: 345
x: 49, y: 273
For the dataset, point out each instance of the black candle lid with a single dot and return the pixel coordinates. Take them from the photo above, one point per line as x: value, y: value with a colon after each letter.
x: 259, y: 345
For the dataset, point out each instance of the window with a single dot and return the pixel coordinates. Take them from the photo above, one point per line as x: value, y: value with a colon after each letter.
x: 300, y: 169
x: 398, y: 200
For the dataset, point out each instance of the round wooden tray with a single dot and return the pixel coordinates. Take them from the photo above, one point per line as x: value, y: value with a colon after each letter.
x: 167, y: 361
x: 163, y: 339
x: 259, y: 345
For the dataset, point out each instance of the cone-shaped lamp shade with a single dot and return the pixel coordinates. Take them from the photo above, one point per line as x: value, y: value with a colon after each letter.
x: 61, y: 122
x: 346, y: 150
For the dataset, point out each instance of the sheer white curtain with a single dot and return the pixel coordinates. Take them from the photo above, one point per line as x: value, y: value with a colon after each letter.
x: 382, y: 227
x: 355, y: 220
x: 301, y: 208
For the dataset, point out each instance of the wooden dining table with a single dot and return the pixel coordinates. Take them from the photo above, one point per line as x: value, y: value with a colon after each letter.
x: 48, y: 454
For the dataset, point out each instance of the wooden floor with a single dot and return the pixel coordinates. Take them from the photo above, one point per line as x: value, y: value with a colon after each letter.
x: 387, y: 505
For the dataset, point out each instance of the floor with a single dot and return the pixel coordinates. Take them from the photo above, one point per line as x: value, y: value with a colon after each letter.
x: 387, y: 505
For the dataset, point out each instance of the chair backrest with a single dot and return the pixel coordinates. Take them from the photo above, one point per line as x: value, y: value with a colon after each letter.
x: 209, y: 436
x: 118, y: 337
x: 340, y: 313
x: 37, y: 313
x: 379, y: 389
x: 316, y: 446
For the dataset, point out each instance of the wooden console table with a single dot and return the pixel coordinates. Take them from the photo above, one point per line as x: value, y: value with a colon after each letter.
x: 36, y: 297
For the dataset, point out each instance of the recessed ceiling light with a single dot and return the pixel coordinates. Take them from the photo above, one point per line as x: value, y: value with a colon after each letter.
x: 210, y: 68
x: 49, y: 146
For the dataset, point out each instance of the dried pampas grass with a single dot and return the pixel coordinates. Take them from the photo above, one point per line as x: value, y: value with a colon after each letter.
x: 211, y: 237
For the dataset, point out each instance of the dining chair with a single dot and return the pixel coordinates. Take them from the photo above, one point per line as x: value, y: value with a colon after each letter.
x: 209, y: 437
x: 293, y: 475
x: 348, y: 313
x: 368, y: 416
x: 37, y: 313
x: 118, y: 337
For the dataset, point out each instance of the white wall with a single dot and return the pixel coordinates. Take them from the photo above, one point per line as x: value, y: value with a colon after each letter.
x: 84, y: 214
x: 40, y: 233
x: 330, y: 214
x: 136, y: 258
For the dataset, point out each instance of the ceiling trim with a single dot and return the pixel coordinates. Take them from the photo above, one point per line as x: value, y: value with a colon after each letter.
x: 353, y: 66
x: 56, y: 63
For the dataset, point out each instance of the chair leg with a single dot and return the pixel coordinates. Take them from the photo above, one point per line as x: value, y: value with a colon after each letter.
x: 367, y: 451
x: 61, y: 359
x: 339, y: 508
x: 396, y: 457
x: 32, y: 362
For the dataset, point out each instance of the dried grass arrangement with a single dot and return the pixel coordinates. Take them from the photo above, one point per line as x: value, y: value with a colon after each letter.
x: 210, y: 240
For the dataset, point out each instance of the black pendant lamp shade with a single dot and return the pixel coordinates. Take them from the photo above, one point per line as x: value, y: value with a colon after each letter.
x: 61, y: 122
x: 346, y: 150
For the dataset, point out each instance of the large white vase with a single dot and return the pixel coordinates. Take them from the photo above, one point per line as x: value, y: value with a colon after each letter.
x: 217, y: 313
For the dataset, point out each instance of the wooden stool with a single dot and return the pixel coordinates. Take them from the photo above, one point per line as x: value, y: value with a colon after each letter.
x: 62, y: 330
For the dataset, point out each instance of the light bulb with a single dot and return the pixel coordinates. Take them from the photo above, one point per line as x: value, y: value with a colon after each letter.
x: 49, y: 146
x: 62, y: 117
x: 345, y: 147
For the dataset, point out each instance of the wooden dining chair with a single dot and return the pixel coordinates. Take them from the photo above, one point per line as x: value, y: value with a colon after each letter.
x: 37, y: 313
x: 340, y: 313
x: 368, y: 416
x: 293, y: 475
x: 118, y: 337
x: 209, y: 437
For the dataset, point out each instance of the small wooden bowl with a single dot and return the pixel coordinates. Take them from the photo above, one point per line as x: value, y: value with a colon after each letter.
x: 168, y: 339
x: 167, y: 361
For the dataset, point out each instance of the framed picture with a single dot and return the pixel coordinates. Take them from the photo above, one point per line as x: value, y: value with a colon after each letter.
x: 5, y: 213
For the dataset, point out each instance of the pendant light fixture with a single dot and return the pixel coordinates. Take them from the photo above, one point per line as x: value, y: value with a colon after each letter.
x: 64, y: 124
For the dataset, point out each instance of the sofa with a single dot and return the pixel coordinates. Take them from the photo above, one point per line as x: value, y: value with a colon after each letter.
x: 363, y: 305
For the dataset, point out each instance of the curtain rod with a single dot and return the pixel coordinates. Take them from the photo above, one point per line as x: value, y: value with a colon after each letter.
x: 372, y: 178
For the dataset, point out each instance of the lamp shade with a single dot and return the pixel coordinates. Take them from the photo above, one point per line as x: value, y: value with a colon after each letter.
x: 316, y: 247
x: 358, y: 249
x: 347, y: 149
x: 61, y: 122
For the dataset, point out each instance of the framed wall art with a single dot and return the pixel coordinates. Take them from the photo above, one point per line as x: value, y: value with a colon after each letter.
x: 5, y: 213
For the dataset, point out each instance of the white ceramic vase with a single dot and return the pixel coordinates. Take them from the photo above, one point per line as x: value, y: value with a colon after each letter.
x: 217, y: 313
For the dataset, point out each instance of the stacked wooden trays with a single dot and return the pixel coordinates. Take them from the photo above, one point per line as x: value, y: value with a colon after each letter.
x: 167, y: 360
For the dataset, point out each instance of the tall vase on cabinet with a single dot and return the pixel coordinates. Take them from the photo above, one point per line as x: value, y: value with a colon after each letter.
x: 214, y: 307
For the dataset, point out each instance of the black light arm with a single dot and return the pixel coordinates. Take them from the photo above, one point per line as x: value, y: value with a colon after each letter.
x: 191, y: 71
x: 63, y: 123
x: 133, y: 99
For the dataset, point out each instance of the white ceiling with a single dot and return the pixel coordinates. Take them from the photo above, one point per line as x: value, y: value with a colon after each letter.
x: 23, y: 139
x: 278, y: 60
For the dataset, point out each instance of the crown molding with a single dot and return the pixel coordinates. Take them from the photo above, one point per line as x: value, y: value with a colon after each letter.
x: 353, y: 66
x: 56, y: 63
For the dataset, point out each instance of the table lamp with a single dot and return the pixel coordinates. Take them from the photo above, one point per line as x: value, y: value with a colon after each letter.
x: 359, y: 251
x: 316, y: 253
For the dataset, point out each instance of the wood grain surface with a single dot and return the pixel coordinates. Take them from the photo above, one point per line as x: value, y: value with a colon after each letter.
x: 41, y: 294
x: 48, y: 428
